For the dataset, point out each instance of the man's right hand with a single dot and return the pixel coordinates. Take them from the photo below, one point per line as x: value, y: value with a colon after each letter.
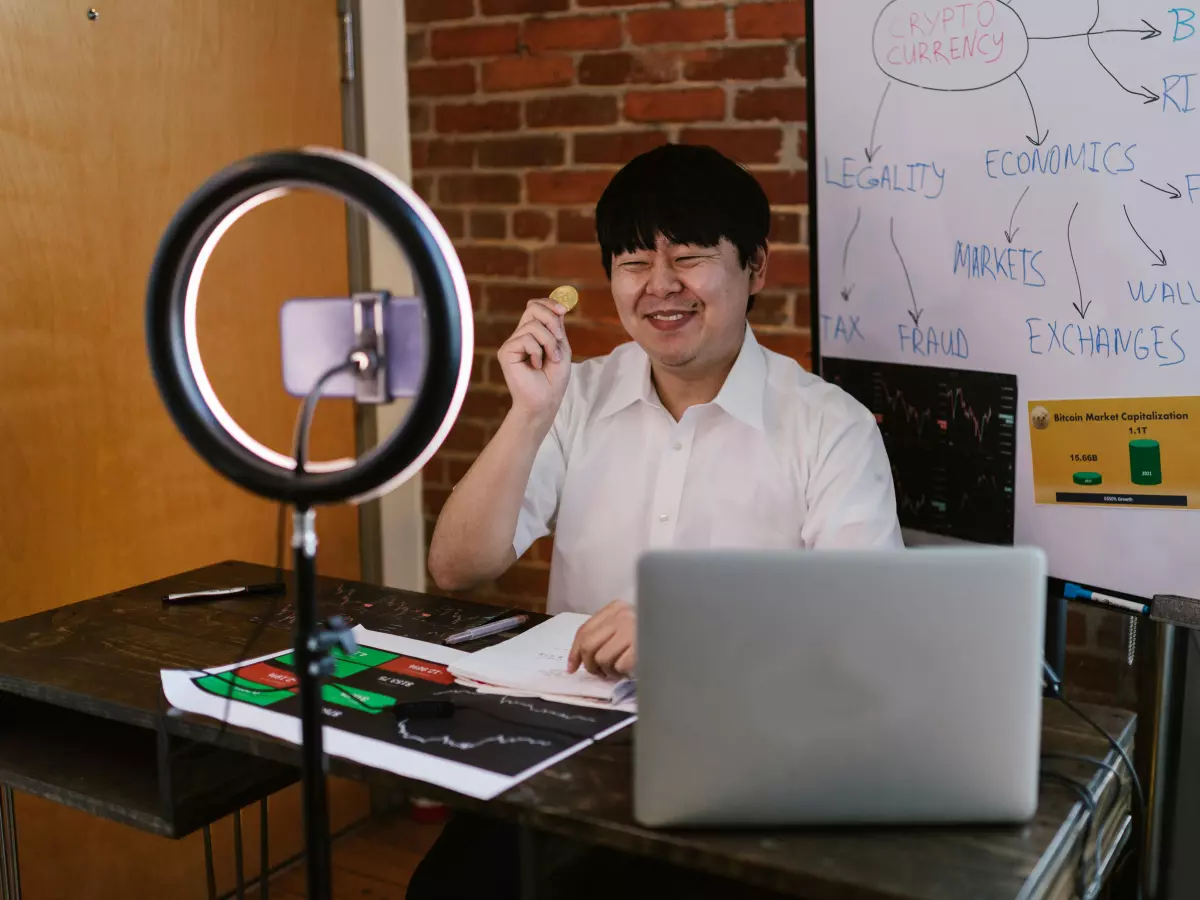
x: 536, y: 360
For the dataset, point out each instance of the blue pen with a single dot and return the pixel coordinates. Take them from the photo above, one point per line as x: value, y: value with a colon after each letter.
x: 1075, y: 592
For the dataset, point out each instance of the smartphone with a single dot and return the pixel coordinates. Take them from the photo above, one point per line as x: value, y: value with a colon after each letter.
x: 317, y: 333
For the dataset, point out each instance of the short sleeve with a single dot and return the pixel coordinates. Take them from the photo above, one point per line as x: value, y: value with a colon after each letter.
x: 851, y: 496
x: 542, y: 492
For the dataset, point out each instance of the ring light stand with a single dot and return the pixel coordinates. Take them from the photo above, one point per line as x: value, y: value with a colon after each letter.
x: 172, y: 295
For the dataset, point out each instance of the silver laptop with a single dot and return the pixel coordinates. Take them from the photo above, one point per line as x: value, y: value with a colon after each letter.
x: 838, y: 687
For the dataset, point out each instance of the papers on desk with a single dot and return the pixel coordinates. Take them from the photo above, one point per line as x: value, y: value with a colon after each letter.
x: 534, y: 663
x: 491, y: 742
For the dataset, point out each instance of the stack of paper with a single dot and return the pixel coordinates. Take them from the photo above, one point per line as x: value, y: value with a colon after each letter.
x: 535, y: 664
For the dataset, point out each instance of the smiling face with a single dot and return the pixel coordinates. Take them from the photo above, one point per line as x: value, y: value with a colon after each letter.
x: 686, y: 304
x: 683, y: 237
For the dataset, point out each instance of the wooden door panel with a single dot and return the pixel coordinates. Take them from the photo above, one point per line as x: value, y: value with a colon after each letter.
x: 105, y: 128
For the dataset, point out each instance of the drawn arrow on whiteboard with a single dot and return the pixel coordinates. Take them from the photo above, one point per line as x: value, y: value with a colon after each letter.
x: 1173, y: 193
x: 1145, y: 93
x: 914, y: 313
x: 1038, y: 137
x: 1009, y: 233
x: 871, y: 149
x: 1079, y: 307
x: 1160, y: 257
x: 846, y: 253
x: 1147, y: 33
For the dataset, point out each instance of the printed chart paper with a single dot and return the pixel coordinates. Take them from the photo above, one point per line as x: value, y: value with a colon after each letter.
x: 1117, y: 452
x: 491, y: 743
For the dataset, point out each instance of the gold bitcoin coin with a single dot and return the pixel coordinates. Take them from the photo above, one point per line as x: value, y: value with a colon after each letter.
x: 566, y: 295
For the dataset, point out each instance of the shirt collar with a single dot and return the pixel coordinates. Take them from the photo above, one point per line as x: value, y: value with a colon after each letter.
x: 741, y: 395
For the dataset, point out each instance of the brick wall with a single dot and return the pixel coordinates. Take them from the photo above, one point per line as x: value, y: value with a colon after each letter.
x: 521, y: 112
x: 1097, y: 667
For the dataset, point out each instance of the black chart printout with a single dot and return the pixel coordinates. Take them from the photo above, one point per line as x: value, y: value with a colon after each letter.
x: 950, y: 436
x: 490, y: 742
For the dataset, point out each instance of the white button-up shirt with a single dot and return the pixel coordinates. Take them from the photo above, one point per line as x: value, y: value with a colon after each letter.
x: 779, y: 459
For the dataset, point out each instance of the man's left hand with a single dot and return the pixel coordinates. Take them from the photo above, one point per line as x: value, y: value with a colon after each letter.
x: 604, y: 644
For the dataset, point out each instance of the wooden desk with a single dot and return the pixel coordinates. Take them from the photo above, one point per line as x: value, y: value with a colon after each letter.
x: 98, y: 661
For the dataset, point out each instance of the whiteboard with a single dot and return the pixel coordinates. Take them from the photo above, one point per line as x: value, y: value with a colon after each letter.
x: 1062, y: 137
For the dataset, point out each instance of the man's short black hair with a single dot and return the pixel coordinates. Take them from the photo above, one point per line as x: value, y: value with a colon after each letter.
x: 690, y: 194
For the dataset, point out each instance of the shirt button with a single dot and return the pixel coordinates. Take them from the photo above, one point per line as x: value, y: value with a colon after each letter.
x: 678, y: 445
x: 663, y: 518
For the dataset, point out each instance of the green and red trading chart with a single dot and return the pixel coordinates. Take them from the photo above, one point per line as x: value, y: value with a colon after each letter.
x: 489, y: 743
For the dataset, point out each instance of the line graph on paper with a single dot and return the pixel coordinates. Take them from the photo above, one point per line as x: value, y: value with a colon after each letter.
x: 534, y: 706
x: 403, y: 732
x: 950, y: 436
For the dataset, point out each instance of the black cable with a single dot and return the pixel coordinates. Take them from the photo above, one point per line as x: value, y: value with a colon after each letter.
x: 1090, y: 760
x: 304, y: 421
x: 1137, y: 784
x: 244, y: 652
x: 1116, y: 773
x: 1104, y: 764
x: 280, y: 541
x: 1143, y: 811
x: 1086, y: 891
x: 300, y: 445
x: 257, y: 633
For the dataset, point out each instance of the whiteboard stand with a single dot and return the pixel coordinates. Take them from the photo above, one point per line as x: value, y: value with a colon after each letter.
x: 1056, y: 631
x: 1163, y: 649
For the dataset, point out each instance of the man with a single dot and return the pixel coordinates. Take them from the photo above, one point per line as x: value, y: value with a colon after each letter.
x: 691, y: 435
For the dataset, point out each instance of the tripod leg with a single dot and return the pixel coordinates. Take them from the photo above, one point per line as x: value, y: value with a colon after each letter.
x: 209, y: 870
x: 264, y: 838
x: 308, y: 662
x: 529, y: 869
x: 5, y: 883
x: 14, y: 868
x: 238, y: 868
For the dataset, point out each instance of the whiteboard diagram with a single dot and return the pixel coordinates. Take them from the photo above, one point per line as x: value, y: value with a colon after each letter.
x: 1008, y: 194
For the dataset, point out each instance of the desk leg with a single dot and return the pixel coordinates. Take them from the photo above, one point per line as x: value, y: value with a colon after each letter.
x: 238, y: 867
x: 12, y: 869
x: 209, y: 872
x: 529, y: 870
x: 10, y: 815
x: 5, y: 884
x: 264, y: 851
x: 12, y: 841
